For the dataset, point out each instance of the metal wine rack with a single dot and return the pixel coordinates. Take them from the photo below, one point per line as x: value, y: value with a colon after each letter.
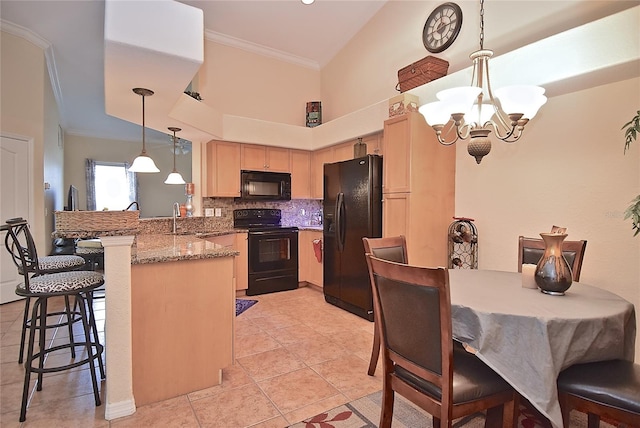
x: 463, y: 244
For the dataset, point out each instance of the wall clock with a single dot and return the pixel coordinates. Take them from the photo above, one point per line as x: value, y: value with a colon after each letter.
x: 442, y: 27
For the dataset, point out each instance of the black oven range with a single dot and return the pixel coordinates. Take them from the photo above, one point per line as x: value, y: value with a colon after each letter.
x: 273, y: 250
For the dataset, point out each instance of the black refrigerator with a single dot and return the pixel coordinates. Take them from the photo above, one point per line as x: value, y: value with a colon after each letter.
x: 352, y: 209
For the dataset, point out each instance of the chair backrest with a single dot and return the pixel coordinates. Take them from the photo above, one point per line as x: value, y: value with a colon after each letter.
x: 530, y: 250
x: 392, y: 248
x: 414, y: 312
x: 22, y: 248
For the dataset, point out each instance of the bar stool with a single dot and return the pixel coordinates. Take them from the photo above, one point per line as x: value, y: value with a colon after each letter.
x: 76, y: 284
x: 91, y: 251
x: 46, y: 265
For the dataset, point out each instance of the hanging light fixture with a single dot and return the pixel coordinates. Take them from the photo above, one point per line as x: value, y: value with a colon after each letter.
x: 174, y: 177
x: 143, y: 163
x: 476, y: 112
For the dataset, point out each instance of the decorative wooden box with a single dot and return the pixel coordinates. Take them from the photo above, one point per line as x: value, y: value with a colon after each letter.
x: 421, y: 72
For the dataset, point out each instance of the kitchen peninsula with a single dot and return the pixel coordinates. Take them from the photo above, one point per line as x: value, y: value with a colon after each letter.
x: 169, y: 314
x: 182, y: 313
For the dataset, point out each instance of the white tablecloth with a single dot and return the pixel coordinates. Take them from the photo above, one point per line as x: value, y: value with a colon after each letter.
x: 528, y: 337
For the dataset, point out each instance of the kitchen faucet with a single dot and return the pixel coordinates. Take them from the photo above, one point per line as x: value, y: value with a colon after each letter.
x: 176, y: 213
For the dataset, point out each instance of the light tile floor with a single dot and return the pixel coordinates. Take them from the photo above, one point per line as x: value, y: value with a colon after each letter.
x: 296, y: 356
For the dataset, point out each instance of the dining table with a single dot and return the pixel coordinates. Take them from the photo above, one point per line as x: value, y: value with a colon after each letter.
x: 529, y: 337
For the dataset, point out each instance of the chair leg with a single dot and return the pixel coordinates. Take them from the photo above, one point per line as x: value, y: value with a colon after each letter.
x: 70, y: 319
x: 375, y: 353
x: 386, y: 415
x: 87, y: 335
x: 29, y: 358
x: 42, y: 335
x: 593, y: 420
x: 25, y: 321
x: 94, y: 328
x: 494, y: 417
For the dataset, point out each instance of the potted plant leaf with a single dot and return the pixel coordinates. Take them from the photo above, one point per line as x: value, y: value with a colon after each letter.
x: 631, y: 131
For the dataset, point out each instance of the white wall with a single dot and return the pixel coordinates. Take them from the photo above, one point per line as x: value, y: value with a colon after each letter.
x: 22, y: 113
x: 155, y: 197
x: 237, y: 82
x: 569, y: 170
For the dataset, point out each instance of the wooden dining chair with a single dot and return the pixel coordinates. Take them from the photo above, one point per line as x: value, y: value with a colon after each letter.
x: 530, y: 250
x: 603, y: 389
x: 392, y: 248
x: 419, y: 359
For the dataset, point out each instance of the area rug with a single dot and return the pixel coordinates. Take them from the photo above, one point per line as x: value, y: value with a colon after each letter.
x: 244, y: 304
x: 365, y: 413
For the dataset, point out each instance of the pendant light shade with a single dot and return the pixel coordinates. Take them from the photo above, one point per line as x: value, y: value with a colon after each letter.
x: 143, y: 163
x: 174, y: 177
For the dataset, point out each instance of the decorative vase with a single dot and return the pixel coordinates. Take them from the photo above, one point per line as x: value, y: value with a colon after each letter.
x: 553, y: 273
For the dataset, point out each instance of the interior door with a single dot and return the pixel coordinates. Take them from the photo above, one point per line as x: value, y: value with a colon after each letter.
x: 15, y: 185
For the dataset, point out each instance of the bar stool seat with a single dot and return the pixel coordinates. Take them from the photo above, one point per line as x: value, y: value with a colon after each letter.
x: 91, y: 251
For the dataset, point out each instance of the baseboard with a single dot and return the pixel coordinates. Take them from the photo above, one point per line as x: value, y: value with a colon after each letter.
x: 119, y: 409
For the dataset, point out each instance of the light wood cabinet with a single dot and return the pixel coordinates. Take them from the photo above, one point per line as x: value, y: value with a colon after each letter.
x: 310, y: 270
x: 223, y: 169
x: 241, y: 267
x: 418, y: 188
x: 343, y: 151
x: 300, y: 174
x: 175, y: 305
x: 395, y: 218
x: 319, y: 158
x: 337, y: 153
x: 264, y: 158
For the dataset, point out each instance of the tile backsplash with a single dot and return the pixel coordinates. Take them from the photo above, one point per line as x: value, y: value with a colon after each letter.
x: 296, y: 212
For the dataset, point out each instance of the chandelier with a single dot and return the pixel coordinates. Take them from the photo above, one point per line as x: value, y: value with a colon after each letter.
x: 474, y: 111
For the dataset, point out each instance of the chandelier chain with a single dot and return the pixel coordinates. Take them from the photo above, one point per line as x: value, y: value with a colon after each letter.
x: 481, y: 24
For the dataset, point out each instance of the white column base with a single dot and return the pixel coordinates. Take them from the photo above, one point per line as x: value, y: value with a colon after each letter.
x: 119, y: 410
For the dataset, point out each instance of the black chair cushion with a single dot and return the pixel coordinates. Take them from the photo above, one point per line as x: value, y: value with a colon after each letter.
x: 614, y: 383
x: 394, y: 254
x: 533, y: 256
x: 472, y: 379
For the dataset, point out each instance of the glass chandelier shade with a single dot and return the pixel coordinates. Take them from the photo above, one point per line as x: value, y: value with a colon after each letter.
x: 174, y: 177
x: 475, y: 112
x: 143, y: 163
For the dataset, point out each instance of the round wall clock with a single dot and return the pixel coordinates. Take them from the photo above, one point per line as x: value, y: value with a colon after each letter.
x: 442, y: 27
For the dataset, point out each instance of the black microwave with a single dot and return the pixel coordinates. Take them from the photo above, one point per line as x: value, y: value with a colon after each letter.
x: 265, y: 186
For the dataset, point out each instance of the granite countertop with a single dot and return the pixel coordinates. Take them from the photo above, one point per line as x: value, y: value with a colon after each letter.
x: 313, y: 228
x: 156, y: 248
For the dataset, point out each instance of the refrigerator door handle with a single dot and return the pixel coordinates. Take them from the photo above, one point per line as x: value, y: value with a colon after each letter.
x: 339, y: 221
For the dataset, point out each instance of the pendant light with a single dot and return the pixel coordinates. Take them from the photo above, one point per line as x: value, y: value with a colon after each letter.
x: 174, y: 177
x: 143, y: 163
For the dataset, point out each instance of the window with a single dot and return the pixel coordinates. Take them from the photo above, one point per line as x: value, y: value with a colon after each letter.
x: 110, y: 186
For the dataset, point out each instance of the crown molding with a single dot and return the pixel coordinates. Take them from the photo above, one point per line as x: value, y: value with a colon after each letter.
x: 260, y: 49
x: 47, y: 48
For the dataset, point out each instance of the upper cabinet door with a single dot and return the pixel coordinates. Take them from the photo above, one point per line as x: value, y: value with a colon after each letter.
x: 223, y: 169
x: 319, y: 158
x: 397, y: 148
x: 300, y: 174
x: 263, y: 158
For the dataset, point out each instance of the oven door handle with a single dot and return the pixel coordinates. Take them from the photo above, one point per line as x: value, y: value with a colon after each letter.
x: 340, y: 221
